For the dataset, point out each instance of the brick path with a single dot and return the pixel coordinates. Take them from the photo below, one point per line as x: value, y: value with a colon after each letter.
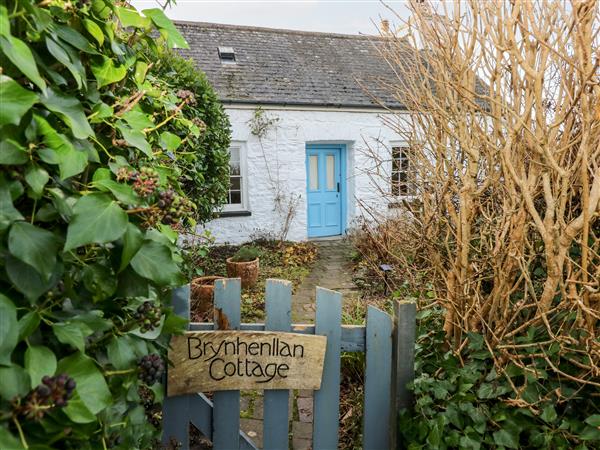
x: 331, y: 271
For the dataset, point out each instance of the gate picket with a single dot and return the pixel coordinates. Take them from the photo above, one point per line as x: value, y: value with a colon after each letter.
x: 327, y: 399
x: 389, y: 349
x: 176, y: 409
x: 226, y: 409
x: 378, y: 380
x: 278, y: 298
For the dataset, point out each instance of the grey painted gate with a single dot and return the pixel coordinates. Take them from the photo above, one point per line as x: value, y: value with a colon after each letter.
x: 388, y: 344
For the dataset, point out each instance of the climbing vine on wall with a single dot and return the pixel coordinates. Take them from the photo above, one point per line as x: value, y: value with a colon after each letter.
x: 285, y: 203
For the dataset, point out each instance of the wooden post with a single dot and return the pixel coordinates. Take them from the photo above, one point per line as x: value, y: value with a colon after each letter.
x: 405, y: 324
x: 176, y: 409
x: 226, y: 404
x: 276, y: 411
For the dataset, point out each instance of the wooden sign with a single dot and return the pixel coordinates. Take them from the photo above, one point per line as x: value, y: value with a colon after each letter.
x: 233, y: 360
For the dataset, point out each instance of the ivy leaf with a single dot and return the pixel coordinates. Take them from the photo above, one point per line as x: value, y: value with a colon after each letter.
x: 132, y: 241
x: 590, y: 434
x: 166, y: 27
x: 91, y: 385
x: 122, y: 192
x: 131, y: 18
x: 34, y: 246
x: 97, y: 219
x: 593, y: 420
x: 107, y: 73
x: 141, y: 68
x: 120, y: 352
x: 70, y: 161
x: 20, y: 55
x: 100, y: 281
x: 506, y: 439
x: 155, y: 262
x: 16, y: 101
x: 12, y: 153
x: 137, y: 120
x: 39, y: 361
x: 36, y: 178
x: 8, y: 212
x: 68, y: 57
x: 70, y: 110
x: 28, y: 280
x: 93, y: 28
x: 169, y: 141
x: 9, y: 330
x: 74, y: 38
x: 549, y: 414
x: 28, y: 324
x: 72, y: 333
x: 15, y: 381
x: 77, y: 411
x: 135, y: 138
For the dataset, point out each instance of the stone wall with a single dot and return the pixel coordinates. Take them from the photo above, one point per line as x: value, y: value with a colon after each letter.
x: 281, y: 153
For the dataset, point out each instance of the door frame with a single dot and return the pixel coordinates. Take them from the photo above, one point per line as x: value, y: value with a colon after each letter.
x: 343, y: 182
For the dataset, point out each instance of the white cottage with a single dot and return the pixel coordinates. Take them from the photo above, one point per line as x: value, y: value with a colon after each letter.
x: 301, y: 123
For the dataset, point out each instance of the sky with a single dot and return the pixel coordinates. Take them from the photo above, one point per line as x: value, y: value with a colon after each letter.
x: 334, y: 16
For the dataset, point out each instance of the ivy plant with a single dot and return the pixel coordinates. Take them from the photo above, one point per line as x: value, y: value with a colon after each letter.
x: 92, y: 198
x: 462, y: 402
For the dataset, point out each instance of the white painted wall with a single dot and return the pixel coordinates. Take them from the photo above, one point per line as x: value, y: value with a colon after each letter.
x: 283, y: 153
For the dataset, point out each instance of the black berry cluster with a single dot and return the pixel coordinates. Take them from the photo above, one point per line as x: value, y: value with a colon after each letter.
x: 148, y: 316
x: 151, y: 368
x: 52, y: 392
x: 145, y: 182
x: 153, y: 410
x: 173, y: 206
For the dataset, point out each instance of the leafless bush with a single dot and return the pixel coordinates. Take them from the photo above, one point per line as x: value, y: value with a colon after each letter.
x: 503, y: 102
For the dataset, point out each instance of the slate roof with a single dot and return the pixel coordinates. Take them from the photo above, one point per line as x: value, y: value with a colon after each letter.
x: 286, y: 67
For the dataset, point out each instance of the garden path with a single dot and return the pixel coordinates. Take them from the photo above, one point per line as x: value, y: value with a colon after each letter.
x: 332, y: 271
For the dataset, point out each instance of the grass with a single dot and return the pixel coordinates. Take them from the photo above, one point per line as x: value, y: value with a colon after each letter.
x: 283, y: 260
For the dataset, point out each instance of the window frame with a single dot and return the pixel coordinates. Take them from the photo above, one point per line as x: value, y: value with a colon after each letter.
x: 244, y: 205
x: 396, y: 190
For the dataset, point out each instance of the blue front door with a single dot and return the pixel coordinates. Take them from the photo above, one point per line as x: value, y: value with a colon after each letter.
x: 324, y: 187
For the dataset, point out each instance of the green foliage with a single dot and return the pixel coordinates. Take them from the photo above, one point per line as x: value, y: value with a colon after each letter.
x: 203, y: 156
x: 464, y: 403
x: 246, y: 253
x: 94, y: 167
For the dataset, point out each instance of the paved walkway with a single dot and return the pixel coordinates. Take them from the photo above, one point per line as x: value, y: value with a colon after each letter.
x: 332, y: 271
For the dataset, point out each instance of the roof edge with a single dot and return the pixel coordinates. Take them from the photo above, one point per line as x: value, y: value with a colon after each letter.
x: 280, y: 30
x: 319, y: 105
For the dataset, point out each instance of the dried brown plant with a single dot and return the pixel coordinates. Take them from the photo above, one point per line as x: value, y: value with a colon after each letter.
x: 503, y: 115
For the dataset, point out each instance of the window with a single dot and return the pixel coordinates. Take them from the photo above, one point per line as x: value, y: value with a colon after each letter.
x: 226, y: 55
x: 237, y: 195
x: 400, y: 170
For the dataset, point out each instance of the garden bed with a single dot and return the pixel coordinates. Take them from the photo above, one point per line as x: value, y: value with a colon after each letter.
x: 282, y: 260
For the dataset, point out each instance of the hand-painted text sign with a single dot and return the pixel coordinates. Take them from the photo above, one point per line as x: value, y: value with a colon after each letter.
x: 233, y: 360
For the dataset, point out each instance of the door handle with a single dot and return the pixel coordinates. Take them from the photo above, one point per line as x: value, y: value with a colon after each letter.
x: 338, y: 186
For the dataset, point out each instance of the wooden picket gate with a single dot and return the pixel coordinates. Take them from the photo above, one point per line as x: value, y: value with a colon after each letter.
x: 388, y: 344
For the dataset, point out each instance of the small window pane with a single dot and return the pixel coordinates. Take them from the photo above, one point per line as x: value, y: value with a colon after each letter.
x: 330, y: 169
x: 234, y: 168
x: 236, y: 197
x: 313, y: 172
x: 234, y: 154
x: 235, y: 183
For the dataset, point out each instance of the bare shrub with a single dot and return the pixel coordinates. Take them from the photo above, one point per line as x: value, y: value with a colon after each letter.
x: 503, y: 118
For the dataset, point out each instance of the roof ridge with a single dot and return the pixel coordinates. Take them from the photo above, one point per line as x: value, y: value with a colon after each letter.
x: 279, y: 30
